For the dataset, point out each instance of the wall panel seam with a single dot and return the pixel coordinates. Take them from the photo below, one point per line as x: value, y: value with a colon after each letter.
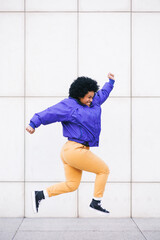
x: 153, y: 12
x: 131, y: 109
x: 24, y: 104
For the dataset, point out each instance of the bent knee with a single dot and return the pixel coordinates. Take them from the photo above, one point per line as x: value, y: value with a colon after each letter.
x: 106, y: 170
x: 72, y: 186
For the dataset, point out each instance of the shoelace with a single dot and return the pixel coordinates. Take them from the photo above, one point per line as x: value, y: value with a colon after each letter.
x: 39, y: 202
x: 100, y: 204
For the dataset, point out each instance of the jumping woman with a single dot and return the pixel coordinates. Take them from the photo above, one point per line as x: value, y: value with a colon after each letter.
x: 80, y: 115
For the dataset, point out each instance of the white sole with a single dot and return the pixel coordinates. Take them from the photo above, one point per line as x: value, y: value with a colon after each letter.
x: 33, y: 202
x: 98, y: 213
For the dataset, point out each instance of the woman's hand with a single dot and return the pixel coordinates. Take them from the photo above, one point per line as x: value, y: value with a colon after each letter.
x: 111, y: 76
x: 30, y: 129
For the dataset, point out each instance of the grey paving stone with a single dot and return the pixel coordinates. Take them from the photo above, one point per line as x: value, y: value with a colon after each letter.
x: 150, y: 224
x: 152, y: 235
x: 10, y: 224
x: 79, y: 228
x: 101, y: 235
x: 78, y: 235
x: 78, y: 224
x: 37, y: 235
x: 6, y: 235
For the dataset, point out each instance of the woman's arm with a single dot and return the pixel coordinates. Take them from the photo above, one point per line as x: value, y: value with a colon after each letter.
x: 103, y: 93
x: 57, y: 113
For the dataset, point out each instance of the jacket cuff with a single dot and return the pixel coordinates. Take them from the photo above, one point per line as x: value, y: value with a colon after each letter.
x: 111, y: 81
x: 32, y: 125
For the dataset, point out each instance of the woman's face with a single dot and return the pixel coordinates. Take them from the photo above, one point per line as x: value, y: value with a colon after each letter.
x: 87, y: 99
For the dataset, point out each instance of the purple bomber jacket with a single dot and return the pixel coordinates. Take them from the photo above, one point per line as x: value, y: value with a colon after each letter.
x: 80, y: 122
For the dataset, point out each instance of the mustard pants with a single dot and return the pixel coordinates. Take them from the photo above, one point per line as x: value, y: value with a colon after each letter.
x: 77, y: 157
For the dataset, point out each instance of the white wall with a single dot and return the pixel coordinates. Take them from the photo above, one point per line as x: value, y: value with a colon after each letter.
x: 44, y: 46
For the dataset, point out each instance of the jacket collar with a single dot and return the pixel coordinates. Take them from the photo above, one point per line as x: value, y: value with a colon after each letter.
x: 77, y: 101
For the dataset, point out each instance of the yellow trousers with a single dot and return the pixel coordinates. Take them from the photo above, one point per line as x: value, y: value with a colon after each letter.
x: 77, y: 157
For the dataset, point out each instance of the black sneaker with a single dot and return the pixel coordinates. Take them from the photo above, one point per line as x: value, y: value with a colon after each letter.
x: 37, y: 196
x: 96, y: 205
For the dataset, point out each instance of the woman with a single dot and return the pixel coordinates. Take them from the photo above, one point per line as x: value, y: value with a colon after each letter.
x: 80, y: 115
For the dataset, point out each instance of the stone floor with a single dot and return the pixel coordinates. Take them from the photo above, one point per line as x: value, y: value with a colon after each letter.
x: 79, y: 228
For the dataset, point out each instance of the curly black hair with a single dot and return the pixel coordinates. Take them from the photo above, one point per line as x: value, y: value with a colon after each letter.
x: 81, y: 86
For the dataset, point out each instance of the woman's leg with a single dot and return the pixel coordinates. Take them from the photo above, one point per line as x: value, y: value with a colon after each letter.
x: 73, y: 178
x: 80, y: 157
x: 76, y: 158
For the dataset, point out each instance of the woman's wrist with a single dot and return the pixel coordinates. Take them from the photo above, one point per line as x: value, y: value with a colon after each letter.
x: 32, y: 125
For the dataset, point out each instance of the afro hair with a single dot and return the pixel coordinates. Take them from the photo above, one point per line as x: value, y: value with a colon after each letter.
x: 81, y: 86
